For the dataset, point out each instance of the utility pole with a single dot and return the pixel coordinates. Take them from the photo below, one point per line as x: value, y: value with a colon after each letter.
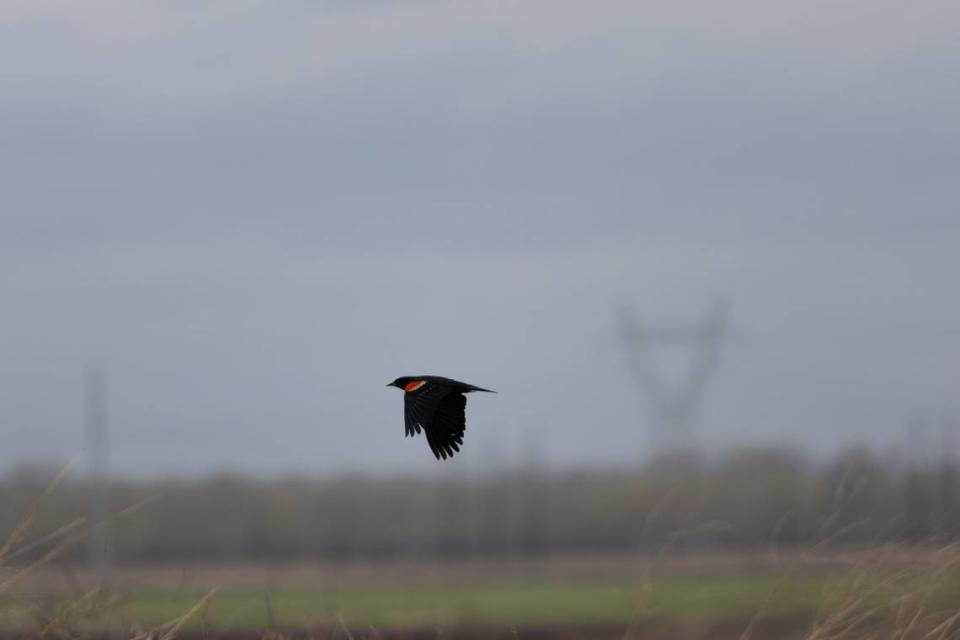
x: 917, y: 494
x: 96, y: 440
x: 948, y: 478
x: 675, y: 409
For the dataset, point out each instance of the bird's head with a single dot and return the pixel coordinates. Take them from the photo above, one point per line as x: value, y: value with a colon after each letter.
x: 400, y: 383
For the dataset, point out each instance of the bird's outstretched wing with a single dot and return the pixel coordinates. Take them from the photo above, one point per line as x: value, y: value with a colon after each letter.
x: 421, y: 404
x: 440, y: 411
x: 445, y: 435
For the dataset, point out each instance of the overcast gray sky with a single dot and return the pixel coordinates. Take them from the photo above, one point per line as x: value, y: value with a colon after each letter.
x: 256, y: 214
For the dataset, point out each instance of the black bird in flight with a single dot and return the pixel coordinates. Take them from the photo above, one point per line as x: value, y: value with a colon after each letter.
x: 437, y: 405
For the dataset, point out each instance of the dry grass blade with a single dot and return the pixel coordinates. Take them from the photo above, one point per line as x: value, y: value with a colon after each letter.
x: 47, y: 539
x: 941, y: 630
x: 23, y: 527
x: 59, y: 622
x: 841, y: 622
x: 45, y: 559
x: 762, y: 610
x: 905, y: 632
x: 70, y: 542
x: 169, y: 630
x: 343, y: 626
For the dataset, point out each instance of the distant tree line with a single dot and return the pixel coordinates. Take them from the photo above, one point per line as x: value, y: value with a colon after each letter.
x: 749, y: 499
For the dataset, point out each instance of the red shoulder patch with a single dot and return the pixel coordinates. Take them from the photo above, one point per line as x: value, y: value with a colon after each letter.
x: 413, y: 386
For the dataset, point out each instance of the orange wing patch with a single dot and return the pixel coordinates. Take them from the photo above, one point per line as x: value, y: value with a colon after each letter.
x: 413, y: 386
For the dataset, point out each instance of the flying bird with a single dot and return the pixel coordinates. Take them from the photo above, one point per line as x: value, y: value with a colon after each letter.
x: 438, y: 406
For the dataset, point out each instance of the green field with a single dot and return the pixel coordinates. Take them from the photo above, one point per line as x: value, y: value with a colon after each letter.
x: 474, y: 604
x: 525, y: 602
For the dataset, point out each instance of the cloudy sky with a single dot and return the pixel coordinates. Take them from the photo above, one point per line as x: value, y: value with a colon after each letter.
x: 255, y: 214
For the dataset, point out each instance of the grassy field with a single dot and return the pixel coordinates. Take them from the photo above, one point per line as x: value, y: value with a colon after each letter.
x: 460, y: 601
x: 514, y: 603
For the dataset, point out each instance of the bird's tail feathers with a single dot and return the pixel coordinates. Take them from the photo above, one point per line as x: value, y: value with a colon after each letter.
x: 470, y: 387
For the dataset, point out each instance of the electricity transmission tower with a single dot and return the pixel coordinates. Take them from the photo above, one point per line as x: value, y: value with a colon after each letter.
x: 675, y: 407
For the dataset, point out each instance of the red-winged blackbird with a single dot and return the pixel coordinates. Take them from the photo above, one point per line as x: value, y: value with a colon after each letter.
x: 437, y: 404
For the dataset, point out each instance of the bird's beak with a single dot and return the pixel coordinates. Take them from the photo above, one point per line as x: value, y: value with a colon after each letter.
x: 389, y: 384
